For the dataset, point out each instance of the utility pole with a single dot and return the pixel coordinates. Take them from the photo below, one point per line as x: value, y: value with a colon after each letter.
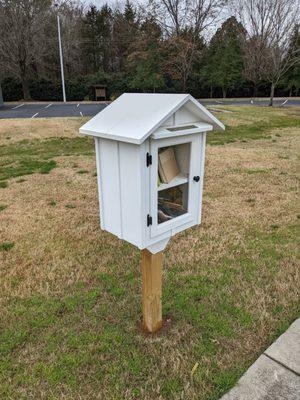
x: 61, y: 58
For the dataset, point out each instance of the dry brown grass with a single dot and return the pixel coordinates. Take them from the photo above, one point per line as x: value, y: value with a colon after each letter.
x: 250, y: 193
x: 14, y: 130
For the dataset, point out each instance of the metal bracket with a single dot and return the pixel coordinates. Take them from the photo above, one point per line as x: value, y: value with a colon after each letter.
x: 148, y: 159
x: 149, y: 220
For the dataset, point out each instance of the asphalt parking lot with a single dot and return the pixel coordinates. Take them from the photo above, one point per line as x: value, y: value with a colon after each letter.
x: 48, y: 110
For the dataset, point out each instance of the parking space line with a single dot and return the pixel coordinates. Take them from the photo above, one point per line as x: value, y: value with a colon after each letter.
x: 34, y: 115
x: 20, y: 105
x: 77, y: 105
x: 49, y: 105
x: 81, y: 114
x: 284, y: 103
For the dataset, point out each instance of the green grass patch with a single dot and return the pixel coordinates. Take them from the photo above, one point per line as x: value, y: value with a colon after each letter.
x: 36, y: 156
x: 70, y: 206
x: 6, y: 246
x: 26, y: 167
x: 3, y: 184
x: 257, y: 129
x: 3, y: 207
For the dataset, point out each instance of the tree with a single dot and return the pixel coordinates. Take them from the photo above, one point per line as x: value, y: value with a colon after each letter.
x: 291, y: 78
x: 23, y: 29
x: 97, y: 38
x: 183, y: 22
x: 124, y: 35
x: 145, y: 61
x: 225, y: 56
x: 269, y: 25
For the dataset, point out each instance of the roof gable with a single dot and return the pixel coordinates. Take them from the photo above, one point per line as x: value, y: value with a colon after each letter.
x: 135, y: 116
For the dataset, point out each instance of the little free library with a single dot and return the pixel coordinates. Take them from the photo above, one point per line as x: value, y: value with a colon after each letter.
x: 150, y: 153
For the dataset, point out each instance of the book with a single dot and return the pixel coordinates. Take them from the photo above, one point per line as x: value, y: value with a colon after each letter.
x: 158, y: 179
x: 167, y: 165
x: 168, y: 210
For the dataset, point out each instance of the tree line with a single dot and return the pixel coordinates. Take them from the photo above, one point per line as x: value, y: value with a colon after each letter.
x: 158, y: 46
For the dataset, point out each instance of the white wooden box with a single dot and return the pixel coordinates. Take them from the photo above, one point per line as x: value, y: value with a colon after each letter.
x: 129, y: 134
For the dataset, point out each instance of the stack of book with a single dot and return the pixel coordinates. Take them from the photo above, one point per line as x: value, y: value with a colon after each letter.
x: 167, y: 165
x: 168, y: 210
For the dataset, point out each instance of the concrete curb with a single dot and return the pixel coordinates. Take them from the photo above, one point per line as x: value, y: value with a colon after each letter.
x: 275, y: 375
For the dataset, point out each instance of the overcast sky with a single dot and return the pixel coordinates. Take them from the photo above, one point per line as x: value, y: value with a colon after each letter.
x: 100, y: 3
x: 209, y: 32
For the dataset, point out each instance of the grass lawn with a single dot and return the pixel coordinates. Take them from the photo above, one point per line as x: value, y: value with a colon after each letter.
x: 70, y: 307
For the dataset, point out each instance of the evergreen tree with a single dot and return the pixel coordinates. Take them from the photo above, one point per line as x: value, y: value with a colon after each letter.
x: 291, y: 79
x: 125, y: 32
x: 225, y: 57
x: 145, y: 59
x: 97, y: 27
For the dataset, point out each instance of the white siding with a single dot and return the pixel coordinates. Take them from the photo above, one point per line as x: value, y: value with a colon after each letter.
x: 185, y: 116
x: 131, y: 194
x: 108, y: 164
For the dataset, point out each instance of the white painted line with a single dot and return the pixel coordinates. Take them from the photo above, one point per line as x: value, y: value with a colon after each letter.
x: 220, y: 102
x: 49, y: 105
x: 20, y: 105
x: 106, y: 103
x: 251, y: 101
x: 77, y: 105
x: 34, y: 115
x: 81, y: 114
x: 284, y: 103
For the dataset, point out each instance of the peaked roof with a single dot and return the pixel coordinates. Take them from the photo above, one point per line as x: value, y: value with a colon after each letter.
x: 135, y: 116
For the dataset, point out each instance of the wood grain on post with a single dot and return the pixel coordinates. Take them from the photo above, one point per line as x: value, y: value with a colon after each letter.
x: 152, y: 290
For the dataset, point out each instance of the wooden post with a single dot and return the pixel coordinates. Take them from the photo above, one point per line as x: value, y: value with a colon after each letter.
x: 152, y: 290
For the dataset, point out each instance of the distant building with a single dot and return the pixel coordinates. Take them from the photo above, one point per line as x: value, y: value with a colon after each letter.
x: 1, y: 98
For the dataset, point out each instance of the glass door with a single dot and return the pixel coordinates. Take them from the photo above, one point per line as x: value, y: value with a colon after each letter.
x: 173, y: 189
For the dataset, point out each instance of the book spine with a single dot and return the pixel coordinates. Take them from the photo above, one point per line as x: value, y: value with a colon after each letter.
x: 161, y: 171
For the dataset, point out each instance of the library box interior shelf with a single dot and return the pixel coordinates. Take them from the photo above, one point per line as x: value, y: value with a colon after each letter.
x: 150, y: 151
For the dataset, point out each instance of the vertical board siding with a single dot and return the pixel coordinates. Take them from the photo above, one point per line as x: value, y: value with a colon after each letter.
x: 97, y: 148
x: 131, y: 196
x: 202, y: 165
x: 110, y: 186
x: 145, y: 192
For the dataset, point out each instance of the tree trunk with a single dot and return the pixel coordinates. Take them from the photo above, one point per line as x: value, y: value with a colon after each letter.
x: 25, y: 88
x: 291, y: 92
x: 211, y: 91
x: 224, y: 92
x: 272, y: 94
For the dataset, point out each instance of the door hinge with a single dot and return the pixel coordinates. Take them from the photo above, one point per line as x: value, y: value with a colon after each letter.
x: 148, y: 159
x: 149, y: 220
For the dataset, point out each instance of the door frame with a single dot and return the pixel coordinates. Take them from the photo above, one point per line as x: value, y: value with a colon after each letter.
x: 193, y: 187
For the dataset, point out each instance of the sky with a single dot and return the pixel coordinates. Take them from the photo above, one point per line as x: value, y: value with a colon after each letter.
x: 209, y: 32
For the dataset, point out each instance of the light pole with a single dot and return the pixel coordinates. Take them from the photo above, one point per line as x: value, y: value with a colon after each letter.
x: 61, y: 58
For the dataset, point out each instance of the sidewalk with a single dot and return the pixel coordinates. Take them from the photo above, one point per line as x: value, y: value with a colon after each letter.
x: 275, y: 375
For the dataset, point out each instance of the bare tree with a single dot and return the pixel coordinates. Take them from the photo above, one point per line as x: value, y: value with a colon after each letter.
x: 269, y: 25
x: 176, y: 16
x: 23, y: 25
x: 71, y: 14
x: 183, y: 22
